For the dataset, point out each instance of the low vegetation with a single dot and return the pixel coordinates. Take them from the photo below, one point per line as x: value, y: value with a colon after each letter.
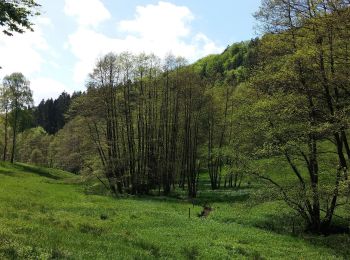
x: 48, y: 213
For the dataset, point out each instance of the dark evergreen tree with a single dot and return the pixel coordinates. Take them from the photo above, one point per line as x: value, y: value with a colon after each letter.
x: 50, y: 114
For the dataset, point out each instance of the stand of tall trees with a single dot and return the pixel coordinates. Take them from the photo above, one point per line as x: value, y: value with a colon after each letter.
x: 145, y: 120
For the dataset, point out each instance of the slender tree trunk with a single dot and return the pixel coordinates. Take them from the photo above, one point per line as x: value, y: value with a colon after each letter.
x: 5, y: 136
x: 14, y: 134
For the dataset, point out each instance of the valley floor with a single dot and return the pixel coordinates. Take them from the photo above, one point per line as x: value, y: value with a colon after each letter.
x: 50, y: 214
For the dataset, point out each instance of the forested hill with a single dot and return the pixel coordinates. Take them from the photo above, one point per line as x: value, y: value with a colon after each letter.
x: 232, y: 66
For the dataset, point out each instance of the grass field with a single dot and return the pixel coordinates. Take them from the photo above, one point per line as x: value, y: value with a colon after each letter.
x: 50, y: 214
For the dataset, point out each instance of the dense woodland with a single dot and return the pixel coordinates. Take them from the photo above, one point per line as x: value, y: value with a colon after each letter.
x: 147, y: 125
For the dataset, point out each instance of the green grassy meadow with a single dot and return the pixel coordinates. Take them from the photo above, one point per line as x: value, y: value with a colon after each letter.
x: 51, y: 214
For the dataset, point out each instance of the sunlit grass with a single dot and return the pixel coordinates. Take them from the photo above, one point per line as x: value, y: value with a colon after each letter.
x: 46, y: 214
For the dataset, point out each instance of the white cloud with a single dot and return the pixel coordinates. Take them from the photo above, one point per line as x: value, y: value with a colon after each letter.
x: 156, y: 28
x: 167, y: 19
x: 22, y: 52
x: 29, y: 53
x: 42, y: 20
x: 44, y: 88
x: 159, y: 29
x: 87, y: 12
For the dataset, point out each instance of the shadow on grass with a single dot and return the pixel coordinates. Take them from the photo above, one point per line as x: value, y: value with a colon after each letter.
x: 204, y: 197
x: 337, y: 240
x: 338, y: 243
x: 223, y: 196
x: 280, y: 224
x: 38, y: 171
x: 11, y: 169
x: 6, y: 172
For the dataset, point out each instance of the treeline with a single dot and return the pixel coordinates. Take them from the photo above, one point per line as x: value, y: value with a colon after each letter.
x: 29, y: 131
x: 148, y: 120
x: 148, y: 125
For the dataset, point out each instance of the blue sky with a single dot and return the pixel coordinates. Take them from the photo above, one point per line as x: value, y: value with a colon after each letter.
x: 71, y: 34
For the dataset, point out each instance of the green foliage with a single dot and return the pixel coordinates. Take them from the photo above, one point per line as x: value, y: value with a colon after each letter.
x: 15, y: 15
x: 298, y: 104
x: 17, y: 96
x: 18, y: 91
x: 33, y: 146
x: 71, y: 148
x: 232, y: 66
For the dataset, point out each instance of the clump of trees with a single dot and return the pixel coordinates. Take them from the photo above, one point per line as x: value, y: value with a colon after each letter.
x: 298, y: 102
x: 156, y: 124
x: 144, y: 117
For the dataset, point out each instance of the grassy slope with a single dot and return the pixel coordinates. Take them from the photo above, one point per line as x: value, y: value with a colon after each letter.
x: 48, y: 214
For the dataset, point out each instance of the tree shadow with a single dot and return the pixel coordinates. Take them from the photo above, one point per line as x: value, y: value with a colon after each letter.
x: 223, y: 196
x: 38, y: 171
x: 203, y: 198
x: 22, y: 168
x: 337, y: 239
x: 6, y: 172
